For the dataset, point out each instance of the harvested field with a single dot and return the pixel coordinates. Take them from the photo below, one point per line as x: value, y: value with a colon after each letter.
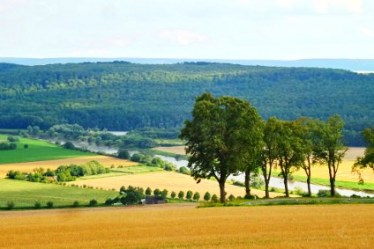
x: 183, y: 226
x: 166, y: 180
x: 53, y: 164
x: 180, y: 150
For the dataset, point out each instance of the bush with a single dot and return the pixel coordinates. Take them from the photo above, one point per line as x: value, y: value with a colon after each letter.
x: 184, y: 170
x: 132, y: 195
x: 231, y: 197
x: 173, y: 194
x: 37, y: 205
x: 10, y: 205
x: 25, y: 146
x: 189, y: 195
x: 12, y: 139
x: 207, y: 196
x: 123, y: 154
x: 148, y: 191
x: 164, y: 193
x: 181, y: 195
x: 214, y: 198
x: 156, y: 192
x: 50, y: 204
x: 69, y: 145
x: 8, y: 146
x: 76, y: 204
x: 196, y: 196
x: 108, y: 202
x: 92, y: 203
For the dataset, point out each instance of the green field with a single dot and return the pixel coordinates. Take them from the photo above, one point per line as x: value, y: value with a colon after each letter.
x: 24, y: 194
x: 37, y: 151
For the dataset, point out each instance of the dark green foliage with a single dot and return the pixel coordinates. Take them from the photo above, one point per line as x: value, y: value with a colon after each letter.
x: 25, y: 146
x: 123, y: 154
x: 69, y: 145
x: 173, y: 194
x: 368, y: 159
x: 214, y: 198
x: 189, y: 195
x: 156, y: 192
x: 12, y: 139
x: 181, y: 195
x: 184, y: 170
x: 37, y: 205
x: 16, y: 175
x: 207, y: 196
x: 125, y: 96
x: 8, y: 146
x: 164, y: 193
x: 148, y: 191
x: 231, y: 197
x: 196, y: 196
x: 131, y: 195
x: 49, y: 204
x: 92, y: 203
x: 75, y: 204
x: 10, y: 205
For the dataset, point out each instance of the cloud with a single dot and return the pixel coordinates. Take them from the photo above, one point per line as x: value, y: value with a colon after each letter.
x: 327, y: 6
x: 289, y: 4
x: 181, y: 36
x: 367, y: 32
x: 6, y: 5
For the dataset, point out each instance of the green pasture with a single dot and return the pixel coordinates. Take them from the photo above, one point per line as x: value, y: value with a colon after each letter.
x: 37, y: 150
x: 24, y: 194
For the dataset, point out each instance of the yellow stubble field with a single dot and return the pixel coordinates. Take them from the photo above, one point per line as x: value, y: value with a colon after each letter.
x: 184, y: 226
x: 54, y: 164
x: 166, y: 180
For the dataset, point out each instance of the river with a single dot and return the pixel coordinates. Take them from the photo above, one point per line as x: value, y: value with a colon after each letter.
x: 278, y: 182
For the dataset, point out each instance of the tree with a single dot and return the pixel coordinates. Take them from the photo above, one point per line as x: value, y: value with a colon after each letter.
x: 181, y: 195
x: 269, y: 153
x: 173, y: 194
x: 218, y: 137
x: 189, y: 195
x: 148, y: 191
x: 207, y: 196
x: 123, y: 154
x: 330, y: 148
x: 196, y: 196
x: 368, y: 159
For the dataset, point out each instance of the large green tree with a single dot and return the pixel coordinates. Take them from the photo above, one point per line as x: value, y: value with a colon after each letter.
x: 219, y: 136
x: 330, y: 148
x: 368, y: 159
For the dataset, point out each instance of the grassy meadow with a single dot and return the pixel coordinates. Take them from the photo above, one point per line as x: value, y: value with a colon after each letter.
x: 184, y: 226
x: 37, y: 150
x: 24, y: 194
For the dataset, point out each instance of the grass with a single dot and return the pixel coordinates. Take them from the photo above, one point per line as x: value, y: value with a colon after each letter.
x: 138, y: 169
x: 24, y: 194
x: 37, y: 151
x: 183, y: 226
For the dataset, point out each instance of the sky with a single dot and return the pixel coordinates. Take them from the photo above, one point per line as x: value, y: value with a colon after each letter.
x: 200, y: 29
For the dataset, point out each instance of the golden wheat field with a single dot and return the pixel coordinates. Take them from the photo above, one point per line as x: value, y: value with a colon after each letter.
x: 165, y: 180
x: 184, y: 226
x: 180, y: 150
x: 53, y: 164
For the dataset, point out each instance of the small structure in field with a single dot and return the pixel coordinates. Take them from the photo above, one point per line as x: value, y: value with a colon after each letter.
x: 151, y: 199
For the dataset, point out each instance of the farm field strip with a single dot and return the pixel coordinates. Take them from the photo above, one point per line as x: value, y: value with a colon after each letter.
x: 184, y: 226
x: 166, y: 180
x: 53, y: 164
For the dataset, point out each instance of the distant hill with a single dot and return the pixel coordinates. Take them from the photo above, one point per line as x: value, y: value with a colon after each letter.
x: 123, y: 96
x: 357, y: 65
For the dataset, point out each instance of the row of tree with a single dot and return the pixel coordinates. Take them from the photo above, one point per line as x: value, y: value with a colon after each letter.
x: 226, y: 136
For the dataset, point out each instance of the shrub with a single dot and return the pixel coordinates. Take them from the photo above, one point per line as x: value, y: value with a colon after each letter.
x: 156, y: 192
x: 75, y: 203
x: 10, y: 205
x: 148, y: 191
x: 132, y: 196
x: 214, y: 198
x: 50, y: 204
x: 196, y: 196
x: 189, y: 195
x: 180, y: 195
x: 69, y: 145
x: 37, y: 204
x: 92, y: 203
x: 123, y: 154
x: 173, y: 194
x: 184, y: 170
x: 207, y: 196
x: 25, y: 146
x: 108, y: 202
x: 12, y: 139
x: 164, y: 193
x: 231, y: 197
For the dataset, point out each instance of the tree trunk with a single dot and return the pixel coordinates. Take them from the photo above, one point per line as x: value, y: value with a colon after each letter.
x: 247, y: 182
x: 285, y: 180
x: 222, y: 192
x: 309, y: 188
x: 332, y: 186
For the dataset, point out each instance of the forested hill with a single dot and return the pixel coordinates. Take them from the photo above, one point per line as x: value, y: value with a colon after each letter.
x: 124, y: 96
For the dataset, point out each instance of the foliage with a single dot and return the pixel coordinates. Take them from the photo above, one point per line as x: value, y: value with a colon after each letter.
x: 207, y: 196
x: 196, y: 196
x: 125, y: 96
x: 148, y: 191
x: 368, y: 159
x: 189, y: 195
x: 173, y: 194
x: 92, y: 203
x: 181, y: 195
x: 220, y: 136
x: 123, y: 154
x: 8, y: 146
x: 131, y: 195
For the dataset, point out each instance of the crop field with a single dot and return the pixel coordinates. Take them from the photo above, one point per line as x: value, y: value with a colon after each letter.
x: 24, y: 194
x: 53, y: 164
x: 180, y: 150
x: 184, y: 226
x: 37, y: 151
x: 166, y: 180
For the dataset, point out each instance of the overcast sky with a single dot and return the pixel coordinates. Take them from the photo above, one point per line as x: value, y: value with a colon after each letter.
x: 203, y: 29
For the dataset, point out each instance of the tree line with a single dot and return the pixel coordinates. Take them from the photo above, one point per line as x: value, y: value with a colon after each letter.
x: 126, y: 96
x: 226, y: 135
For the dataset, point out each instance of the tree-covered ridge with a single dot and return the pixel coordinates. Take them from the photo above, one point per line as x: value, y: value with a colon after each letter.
x: 124, y: 96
